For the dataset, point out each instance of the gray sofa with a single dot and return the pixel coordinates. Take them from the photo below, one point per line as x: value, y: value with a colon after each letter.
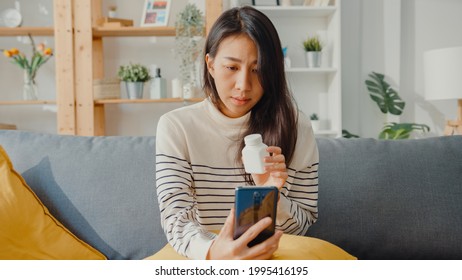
x: 377, y: 199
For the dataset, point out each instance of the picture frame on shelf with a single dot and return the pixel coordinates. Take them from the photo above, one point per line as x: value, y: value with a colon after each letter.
x: 155, y: 13
x: 265, y: 2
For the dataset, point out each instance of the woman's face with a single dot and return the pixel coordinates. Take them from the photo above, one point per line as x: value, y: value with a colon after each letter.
x: 234, y: 70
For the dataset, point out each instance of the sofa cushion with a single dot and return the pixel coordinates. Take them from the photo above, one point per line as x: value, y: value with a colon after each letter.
x: 28, y: 229
x: 391, y: 199
x: 101, y: 188
x: 291, y: 247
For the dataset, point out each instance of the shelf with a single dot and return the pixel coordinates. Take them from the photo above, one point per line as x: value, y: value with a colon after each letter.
x: 310, y: 70
x: 28, y: 102
x: 133, y: 31
x: 141, y: 101
x: 24, y: 31
x: 297, y: 11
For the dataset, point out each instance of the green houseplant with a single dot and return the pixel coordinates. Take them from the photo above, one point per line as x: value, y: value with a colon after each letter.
x: 189, y: 27
x: 389, y: 102
x: 312, y: 44
x: 313, y: 48
x: 134, y: 76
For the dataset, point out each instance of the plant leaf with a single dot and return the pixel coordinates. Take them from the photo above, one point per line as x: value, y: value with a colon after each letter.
x: 347, y: 134
x: 387, y: 99
x: 401, y: 130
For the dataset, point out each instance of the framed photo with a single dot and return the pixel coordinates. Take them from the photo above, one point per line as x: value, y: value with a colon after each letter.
x: 265, y: 2
x: 155, y: 12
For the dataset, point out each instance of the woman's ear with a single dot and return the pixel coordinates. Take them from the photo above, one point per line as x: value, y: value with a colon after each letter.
x: 210, y: 67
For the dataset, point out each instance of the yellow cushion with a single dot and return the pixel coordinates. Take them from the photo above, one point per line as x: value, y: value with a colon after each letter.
x: 294, y: 247
x: 291, y: 247
x: 28, y: 230
x: 166, y: 253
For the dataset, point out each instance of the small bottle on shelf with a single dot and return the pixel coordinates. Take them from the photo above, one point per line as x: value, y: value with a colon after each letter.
x: 158, y: 86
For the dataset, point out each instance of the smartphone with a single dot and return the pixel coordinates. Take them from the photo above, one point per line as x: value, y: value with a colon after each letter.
x: 252, y: 204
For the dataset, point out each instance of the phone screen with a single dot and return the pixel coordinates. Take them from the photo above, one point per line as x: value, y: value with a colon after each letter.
x: 251, y: 205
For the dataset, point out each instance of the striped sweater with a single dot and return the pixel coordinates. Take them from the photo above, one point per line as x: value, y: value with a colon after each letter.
x: 197, y: 172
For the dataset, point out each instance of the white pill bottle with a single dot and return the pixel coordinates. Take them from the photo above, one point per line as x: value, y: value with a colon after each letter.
x: 254, y: 153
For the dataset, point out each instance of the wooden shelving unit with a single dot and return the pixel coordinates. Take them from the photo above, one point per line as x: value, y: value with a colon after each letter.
x: 78, y: 55
x: 88, y: 43
x: 28, y: 102
x: 133, y: 31
x: 24, y: 31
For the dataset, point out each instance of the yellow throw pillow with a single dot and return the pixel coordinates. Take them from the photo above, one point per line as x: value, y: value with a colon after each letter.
x: 291, y: 247
x: 28, y: 230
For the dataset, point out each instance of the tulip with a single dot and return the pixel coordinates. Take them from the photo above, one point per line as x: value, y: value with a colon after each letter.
x: 48, y: 51
x: 14, y: 51
x: 41, y: 47
x: 7, y: 53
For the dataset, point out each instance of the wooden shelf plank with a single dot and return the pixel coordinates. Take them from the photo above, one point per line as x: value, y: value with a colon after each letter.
x: 133, y: 31
x: 141, y: 101
x: 23, y: 31
x: 28, y: 102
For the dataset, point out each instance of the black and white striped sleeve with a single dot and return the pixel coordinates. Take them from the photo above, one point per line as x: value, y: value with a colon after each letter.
x: 298, y: 202
x: 175, y: 193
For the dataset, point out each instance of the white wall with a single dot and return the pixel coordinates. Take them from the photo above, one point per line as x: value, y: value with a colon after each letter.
x: 387, y: 36
x: 390, y: 37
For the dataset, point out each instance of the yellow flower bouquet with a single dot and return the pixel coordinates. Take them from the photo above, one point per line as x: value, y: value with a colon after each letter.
x: 40, y: 55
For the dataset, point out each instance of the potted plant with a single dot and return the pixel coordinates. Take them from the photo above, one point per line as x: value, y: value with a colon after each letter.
x: 313, y: 48
x: 189, y: 27
x: 134, y: 76
x: 314, y: 122
x: 389, y: 102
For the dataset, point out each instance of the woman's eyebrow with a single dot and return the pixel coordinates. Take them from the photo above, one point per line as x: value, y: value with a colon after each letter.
x: 237, y: 59
x: 232, y: 58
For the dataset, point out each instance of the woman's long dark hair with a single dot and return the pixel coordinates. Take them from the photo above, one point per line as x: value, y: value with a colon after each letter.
x: 275, y: 115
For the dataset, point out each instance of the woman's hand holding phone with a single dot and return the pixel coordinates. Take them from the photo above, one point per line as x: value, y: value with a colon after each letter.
x: 225, y: 247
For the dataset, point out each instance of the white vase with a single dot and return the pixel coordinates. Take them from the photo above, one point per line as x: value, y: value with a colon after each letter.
x: 134, y: 90
x: 315, y: 125
x: 177, y: 88
x: 313, y: 59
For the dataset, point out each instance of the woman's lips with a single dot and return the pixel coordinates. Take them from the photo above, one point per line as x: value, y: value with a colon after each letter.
x: 240, y: 101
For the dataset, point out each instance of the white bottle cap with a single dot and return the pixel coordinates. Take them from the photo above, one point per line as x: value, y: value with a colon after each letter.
x: 253, y: 139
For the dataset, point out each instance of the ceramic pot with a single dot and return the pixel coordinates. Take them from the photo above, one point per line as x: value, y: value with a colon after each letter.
x: 134, y: 90
x: 313, y: 59
x: 315, y: 125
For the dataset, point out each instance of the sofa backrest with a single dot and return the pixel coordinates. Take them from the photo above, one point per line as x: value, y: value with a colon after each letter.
x: 391, y: 199
x: 377, y: 199
x: 100, y: 188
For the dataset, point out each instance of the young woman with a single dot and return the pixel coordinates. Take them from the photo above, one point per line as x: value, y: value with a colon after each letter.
x: 199, y: 146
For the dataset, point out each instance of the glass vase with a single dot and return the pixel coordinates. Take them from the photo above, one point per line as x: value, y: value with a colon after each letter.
x: 30, y: 91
